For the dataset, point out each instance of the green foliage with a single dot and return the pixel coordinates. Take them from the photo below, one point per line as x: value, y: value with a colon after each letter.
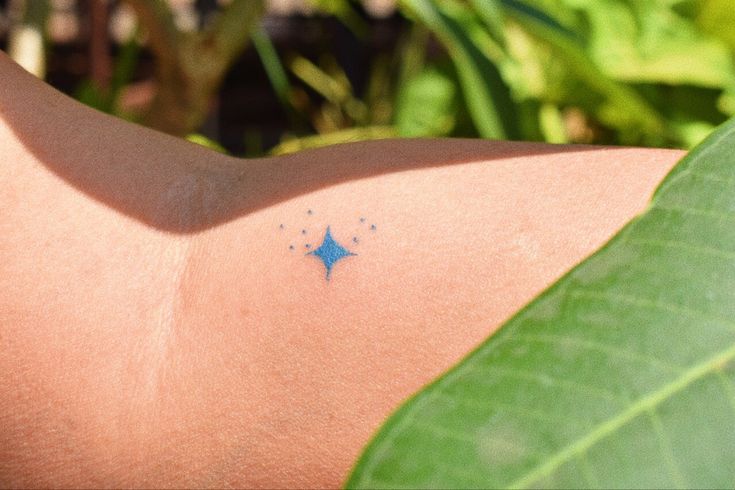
x: 643, y: 42
x: 337, y: 137
x: 622, y: 374
x: 636, y: 72
x: 715, y: 17
x: 272, y: 64
x: 566, y: 77
x: 202, y: 140
x: 486, y: 96
x: 427, y: 104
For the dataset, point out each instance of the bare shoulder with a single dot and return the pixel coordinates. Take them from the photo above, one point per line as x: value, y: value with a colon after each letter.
x: 368, y: 269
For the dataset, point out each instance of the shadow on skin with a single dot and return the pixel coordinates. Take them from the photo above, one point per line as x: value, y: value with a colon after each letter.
x: 179, y: 187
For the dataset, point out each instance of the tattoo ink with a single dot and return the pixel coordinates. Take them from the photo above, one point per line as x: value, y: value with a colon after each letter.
x: 330, y: 252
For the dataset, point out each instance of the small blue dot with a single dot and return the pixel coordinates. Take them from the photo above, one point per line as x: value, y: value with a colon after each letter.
x: 372, y: 227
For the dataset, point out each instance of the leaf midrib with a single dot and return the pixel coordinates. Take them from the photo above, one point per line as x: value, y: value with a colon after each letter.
x: 609, y: 426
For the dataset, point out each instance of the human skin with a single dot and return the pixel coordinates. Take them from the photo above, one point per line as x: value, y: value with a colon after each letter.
x: 156, y: 330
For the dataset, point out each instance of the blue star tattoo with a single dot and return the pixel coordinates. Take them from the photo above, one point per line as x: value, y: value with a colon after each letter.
x: 330, y: 252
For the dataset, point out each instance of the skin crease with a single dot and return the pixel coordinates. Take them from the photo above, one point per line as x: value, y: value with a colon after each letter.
x: 156, y: 330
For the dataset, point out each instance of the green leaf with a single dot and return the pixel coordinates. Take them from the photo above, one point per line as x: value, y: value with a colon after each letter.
x: 344, y: 10
x: 202, y: 140
x: 487, y: 97
x: 648, y: 42
x: 426, y: 104
x: 271, y: 64
x: 491, y: 13
x: 552, y: 125
x: 622, y: 374
x: 691, y: 112
x: 717, y: 17
x: 366, y: 133
x: 573, y: 79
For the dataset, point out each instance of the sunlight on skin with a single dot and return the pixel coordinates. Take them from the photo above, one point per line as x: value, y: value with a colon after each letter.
x: 158, y: 330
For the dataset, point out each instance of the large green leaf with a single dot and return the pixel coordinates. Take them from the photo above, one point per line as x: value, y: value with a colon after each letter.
x: 622, y: 374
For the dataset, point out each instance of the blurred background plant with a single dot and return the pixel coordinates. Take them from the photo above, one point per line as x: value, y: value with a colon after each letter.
x: 253, y: 77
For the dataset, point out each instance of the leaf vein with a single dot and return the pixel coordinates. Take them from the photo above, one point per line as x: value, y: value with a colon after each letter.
x: 725, y: 254
x: 545, y: 380
x: 651, y: 304
x: 511, y: 409
x: 604, y: 348
x: 637, y: 408
x: 665, y: 446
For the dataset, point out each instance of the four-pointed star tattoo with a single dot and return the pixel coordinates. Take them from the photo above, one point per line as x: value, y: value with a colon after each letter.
x: 330, y: 252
